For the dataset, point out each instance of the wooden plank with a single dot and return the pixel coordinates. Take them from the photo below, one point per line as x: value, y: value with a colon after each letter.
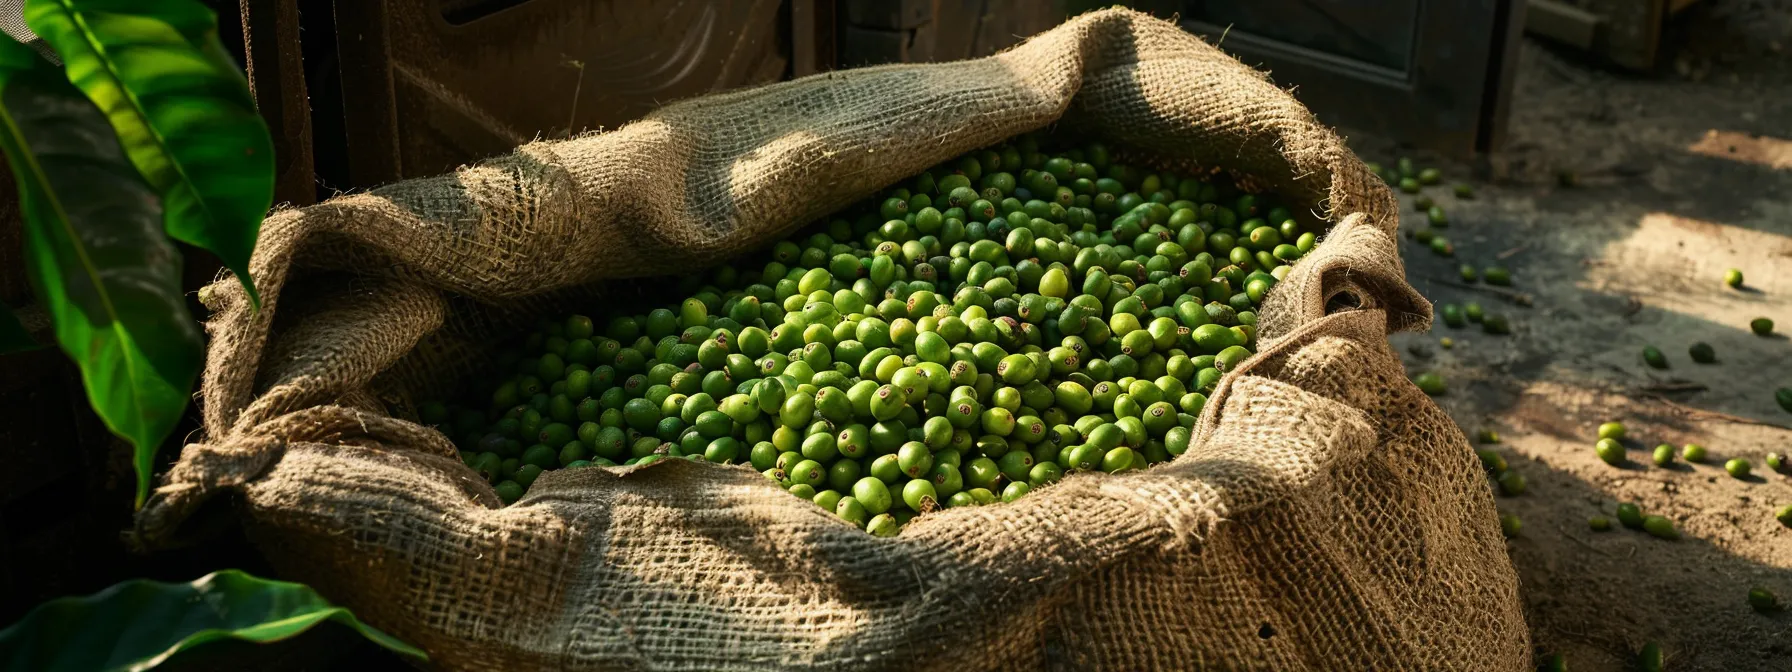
x: 1562, y: 23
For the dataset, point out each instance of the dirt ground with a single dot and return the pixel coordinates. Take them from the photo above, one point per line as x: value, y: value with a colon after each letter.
x: 1681, y: 175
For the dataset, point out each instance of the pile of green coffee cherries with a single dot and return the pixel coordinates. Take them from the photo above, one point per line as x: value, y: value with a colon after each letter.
x: 962, y: 338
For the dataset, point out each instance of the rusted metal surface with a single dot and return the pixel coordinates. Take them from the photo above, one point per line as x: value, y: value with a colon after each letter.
x: 432, y: 84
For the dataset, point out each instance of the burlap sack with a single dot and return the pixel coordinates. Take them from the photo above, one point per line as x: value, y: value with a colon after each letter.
x: 1329, y: 516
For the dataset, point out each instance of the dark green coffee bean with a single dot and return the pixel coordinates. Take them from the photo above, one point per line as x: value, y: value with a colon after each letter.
x: 1512, y: 484
x: 1702, y: 353
x: 1763, y: 600
x: 1653, y: 357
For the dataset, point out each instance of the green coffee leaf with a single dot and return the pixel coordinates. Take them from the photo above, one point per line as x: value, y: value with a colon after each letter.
x: 180, y: 107
x: 95, y: 251
x: 138, y: 624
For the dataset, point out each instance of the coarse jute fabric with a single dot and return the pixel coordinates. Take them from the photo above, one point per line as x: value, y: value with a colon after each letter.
x: 1327, y: 516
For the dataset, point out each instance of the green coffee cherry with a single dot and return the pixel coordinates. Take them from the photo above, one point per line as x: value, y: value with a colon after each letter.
x: 1784, y: 515
x: 1452, y: 315
x: 1653, y: 357
x: 1492, y: 461
x: 1495, y: 324
x: 1612, y: 430
x: 1512, y: 484
x: 1464, y: 191
x: 1609, y: 451
x: 1693, y: 452
x: 1473, y: 312
x: 1429, y: 383
x: 1733, y: 278
x: 1496, y: 275
x: 1660, y: 528
x: 1775, y: 462
x: 1702, y: 353
x: 1630, y: 516
x: 1763, y: 600
x: 1664, y: 455
x: 1761, y: 326
x: 1650, y: 658
x: 1599, y: 523
x: 1509, y: 525
x: 1783, y: 397
x: 1738, y: 467
x: 1487, y: 436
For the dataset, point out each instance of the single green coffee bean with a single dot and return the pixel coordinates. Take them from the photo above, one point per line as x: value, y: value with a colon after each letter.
x: 1512, y: 484
x: 1473, y: 312
x: 1497, y: 275
x: 1429, y: 383
x: 1733, y: 278
x: 1509, y: 525
x: 1452, y: 315
x: 1612, y: 430
x: 1702, y: 353
x: 1775, y: 462
x: 1610, y: 451
x: 1599, y: 523
x: 1761, y: 326
x: 1442, y: 246
x: 1464, y: 191
x: 1693, y: 453
x: 1763, y: 600
x: 1653, y: 357
x: 1660, y: 527
x: 1495, y: 324
x: 1446, y: 343
x: 1650, y: 658
x: 1469, y: 274
x: 1492, y: 461
x: 1784, y: 515
x: 1630, y: 515
x: 1664, y: 455
x: 1738, y: 467
x: 883, y: 525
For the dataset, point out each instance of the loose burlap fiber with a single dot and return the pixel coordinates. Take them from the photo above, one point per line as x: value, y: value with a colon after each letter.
x: 1327, y: 517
